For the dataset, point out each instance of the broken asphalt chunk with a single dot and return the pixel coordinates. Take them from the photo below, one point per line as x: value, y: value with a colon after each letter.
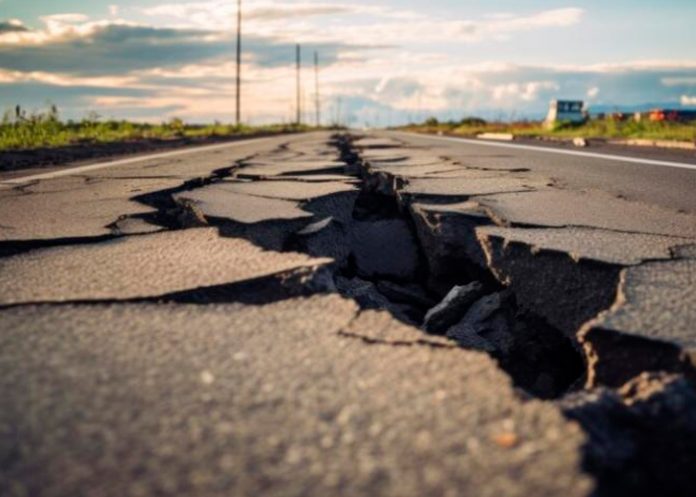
x: 593, y: 209
x: 452, y: 308
x: 216, y: 201
x: 489, y: 321
x: 641, y: 437
x: 286, y: 190
x: 566, y: 275
x: 147, y: 266
x: 70, y: 207
x: 366, y: 294
x: 650, y: 326
x: 442, y: 187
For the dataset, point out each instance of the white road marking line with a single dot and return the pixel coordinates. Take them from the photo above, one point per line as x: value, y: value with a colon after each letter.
x: 131, y: 160
x: 588, y: 155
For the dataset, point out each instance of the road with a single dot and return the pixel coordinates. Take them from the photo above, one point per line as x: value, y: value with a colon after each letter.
x: 379, y: 314
x: 665, y: 178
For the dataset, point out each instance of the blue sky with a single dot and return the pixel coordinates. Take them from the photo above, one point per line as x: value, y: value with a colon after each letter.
x: 382, y: 61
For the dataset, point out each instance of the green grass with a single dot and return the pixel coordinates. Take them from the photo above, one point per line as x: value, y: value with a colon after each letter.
x: 19, y: 130
x: 596, y: 128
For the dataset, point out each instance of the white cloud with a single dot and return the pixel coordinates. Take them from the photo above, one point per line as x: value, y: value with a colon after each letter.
x: 183, y: 58
x: 546, y: 19
x: 114, y: 10
x: 679, y: 81
x: 688, y: 100
x: 377, y: 24
x: 526, y: 92
x: 631, y: 66
x: 214, y: 14
x: 67, y: 80
x: 425, y: 29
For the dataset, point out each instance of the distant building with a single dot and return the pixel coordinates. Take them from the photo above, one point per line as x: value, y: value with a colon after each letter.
x: 572, y: 111
x: 666, y: 115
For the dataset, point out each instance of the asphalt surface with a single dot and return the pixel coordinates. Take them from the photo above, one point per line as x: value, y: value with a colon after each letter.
x: 245, y: 319
x: 655, y: 185
x: 237, y: 400
x: 559, y: 230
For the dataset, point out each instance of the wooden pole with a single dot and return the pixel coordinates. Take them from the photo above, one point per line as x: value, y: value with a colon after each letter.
x: 317, y: 101
x: 239, y: 62
x: 299, y: 84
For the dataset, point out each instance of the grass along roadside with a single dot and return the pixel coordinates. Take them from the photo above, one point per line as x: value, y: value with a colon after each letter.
x: 595, y: 128
x: 22, y: 131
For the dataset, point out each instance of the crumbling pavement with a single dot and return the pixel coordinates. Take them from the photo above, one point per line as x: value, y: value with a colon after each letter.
x: 196, y: 349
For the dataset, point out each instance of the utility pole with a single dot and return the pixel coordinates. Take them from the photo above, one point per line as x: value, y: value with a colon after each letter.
x: 299, y: 84
x: 338, y: 112
x: 239, y: 62
x: 317, y: 102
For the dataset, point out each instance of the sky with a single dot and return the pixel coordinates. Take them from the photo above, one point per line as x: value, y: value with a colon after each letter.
x: 382, y: 62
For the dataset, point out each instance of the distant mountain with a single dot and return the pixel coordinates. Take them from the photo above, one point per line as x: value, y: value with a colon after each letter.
x: 644, y: 107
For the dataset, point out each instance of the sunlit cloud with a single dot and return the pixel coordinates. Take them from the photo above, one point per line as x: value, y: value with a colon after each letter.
x: 178, y: 58
x: 67, y: 79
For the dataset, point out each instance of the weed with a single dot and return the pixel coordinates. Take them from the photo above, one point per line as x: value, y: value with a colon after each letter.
x: 22, y: 130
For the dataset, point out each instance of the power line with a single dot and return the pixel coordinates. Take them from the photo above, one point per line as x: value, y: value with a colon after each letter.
x: 239, y: 62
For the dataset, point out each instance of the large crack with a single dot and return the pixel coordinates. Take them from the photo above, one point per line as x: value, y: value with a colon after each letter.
x: 537, y: 357
x: 382, y: 263
x: 641, y: 437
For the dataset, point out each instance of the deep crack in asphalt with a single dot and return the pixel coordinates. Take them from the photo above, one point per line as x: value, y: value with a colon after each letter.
x: 393, y: 254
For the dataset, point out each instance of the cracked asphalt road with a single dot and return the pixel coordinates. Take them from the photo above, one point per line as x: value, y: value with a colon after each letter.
x: 246, y: 320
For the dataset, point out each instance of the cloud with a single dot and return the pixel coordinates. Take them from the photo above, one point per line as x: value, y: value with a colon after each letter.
x: 70, y: 44
x: 203, y: 91
x: 73, y: 44
x: 688, y: 101
x: 671, y: 81
x: 60, y: 19
x: 48, y: 78
x: 493, y: 90
x: 527, y: 92
x: 106, y: 48
x: 12, y: 26
x: 218, y: 14
x: 378, y: 24
x: 423, y: 29
x: 503, y: 27
x: 404, y: 87
x: 209, y: 13
x: 180, y: 61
